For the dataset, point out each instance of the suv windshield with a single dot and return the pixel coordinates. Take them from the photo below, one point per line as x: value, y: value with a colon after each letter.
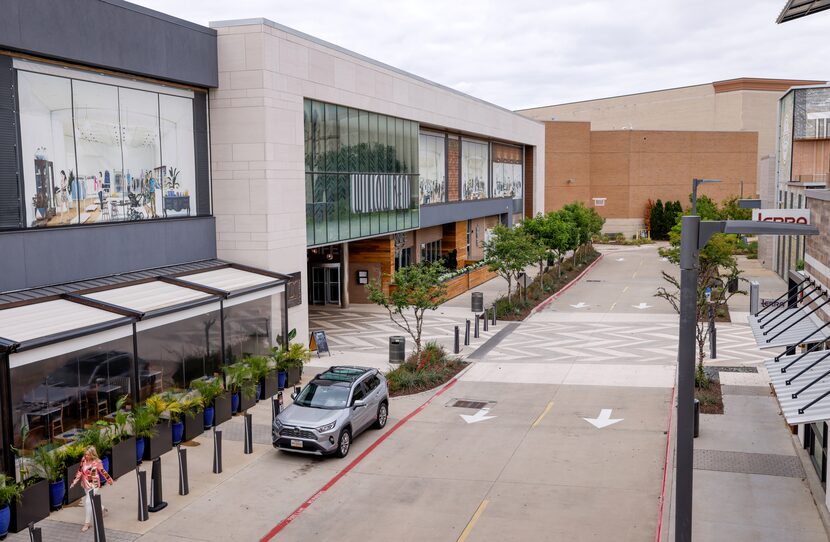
x: 324, y: 394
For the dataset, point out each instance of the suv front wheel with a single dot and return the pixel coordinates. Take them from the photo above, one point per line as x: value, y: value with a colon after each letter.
x: 383, y: 415
x: 344, y: 443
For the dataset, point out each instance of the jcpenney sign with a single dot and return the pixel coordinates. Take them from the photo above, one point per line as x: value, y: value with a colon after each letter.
x: 373, y: 192
x: 787, y: 216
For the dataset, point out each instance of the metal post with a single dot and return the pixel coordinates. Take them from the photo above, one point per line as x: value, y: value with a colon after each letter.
x: 97, y: 517
x: 184, y: 486
x: 697, y: 418
x: 713, y: 334
x: 35, y: 534
x: 475, y: 333
x: 249, y: 438
x: 493, y: 323
x: 217, y: 450
x: 141, y: 478
x: 686, y: 377
x: 486, y: 317
x: 156, y: 493
x: 456, y: 346
x: 467, y: 333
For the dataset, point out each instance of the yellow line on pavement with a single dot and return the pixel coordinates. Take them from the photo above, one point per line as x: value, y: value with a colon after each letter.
x: 469, y: 528
x: 542, y: 415
x: 612, y: 306
x: 625, y: 289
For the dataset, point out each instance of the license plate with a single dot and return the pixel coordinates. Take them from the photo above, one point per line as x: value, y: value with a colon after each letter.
x: 296, y: 443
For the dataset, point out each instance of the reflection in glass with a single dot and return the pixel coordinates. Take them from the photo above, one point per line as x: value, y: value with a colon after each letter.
x: 48, y: 149
x: 474, y: 166
x: 178, y: 166
x: 252, y: 327
x: 141, y: 150
x: 55, y: 397
x: 433, y: 169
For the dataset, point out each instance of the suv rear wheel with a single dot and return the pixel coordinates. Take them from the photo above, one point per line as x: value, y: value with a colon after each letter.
x: 344, y: 443
x: 383, y: 415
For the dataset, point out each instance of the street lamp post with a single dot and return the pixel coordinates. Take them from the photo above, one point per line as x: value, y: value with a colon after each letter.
x: 695, y: 183
x: 693, y: 237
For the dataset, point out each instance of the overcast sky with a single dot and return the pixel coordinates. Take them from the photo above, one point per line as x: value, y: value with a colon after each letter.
x: 526, y: 53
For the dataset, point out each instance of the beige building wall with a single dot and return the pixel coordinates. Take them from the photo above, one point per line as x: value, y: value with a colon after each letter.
x: 257, y: 139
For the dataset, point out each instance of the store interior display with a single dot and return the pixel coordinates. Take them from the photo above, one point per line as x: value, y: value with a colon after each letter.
x: 475, y: 160
x: 97, y: 152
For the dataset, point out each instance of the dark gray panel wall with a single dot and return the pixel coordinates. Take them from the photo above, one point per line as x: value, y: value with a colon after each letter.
x: 34, y: 258
x: 111, y: 34
x: 442, y: 213
x: 10, y: 207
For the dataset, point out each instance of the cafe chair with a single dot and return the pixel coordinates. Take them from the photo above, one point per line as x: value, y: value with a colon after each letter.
x: 56, y: 423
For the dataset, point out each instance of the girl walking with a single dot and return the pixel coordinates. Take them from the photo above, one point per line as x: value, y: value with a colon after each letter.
x: 90, y: 474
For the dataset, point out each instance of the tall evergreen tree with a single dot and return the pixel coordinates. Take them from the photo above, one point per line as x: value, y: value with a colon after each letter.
x: 658, y: 230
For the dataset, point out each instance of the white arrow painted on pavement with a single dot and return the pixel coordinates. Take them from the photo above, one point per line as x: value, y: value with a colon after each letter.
x: 620, y: 259
x: 642, y: 306
x: 579, y: 305
x: 479, y: 416
x: 664, y: 259
x: 604, y: 419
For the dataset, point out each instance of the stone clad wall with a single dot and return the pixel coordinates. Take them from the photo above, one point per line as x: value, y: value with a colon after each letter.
x: 817, y: 257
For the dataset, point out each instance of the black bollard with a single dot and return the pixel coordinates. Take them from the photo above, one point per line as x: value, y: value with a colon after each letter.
x: 713, y: 333
x: 467, y: 334
x: 217, y: 450
x: 486, y: 317
x: 493, y: 322
x: 35, y: 534
x: 156, y: 494
x: 475, y: 333
x: 184, y: 486
x: 697, y: 418
x: 249, y: 437
x: 456, y: 345
x: 141, y: 478
x: 97, y: 517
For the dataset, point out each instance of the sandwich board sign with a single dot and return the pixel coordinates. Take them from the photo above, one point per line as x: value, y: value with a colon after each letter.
x: 319, y: 342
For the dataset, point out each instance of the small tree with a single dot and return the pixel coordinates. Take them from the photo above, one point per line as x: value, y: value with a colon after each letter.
x: 647, y: 216
x: 657, y: 221
x: 552, y: 233
x: 509, y: 251
x: 586, y: 221
x: 414, y: 289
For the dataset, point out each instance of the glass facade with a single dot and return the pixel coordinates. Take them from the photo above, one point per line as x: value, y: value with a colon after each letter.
x: 431, y: 252
x: 361, y: 173
x: 508, y: 174
x: 811, y: 113
x: 432, y: 161
x: 249, y: 329
x: 785, y: 138
x: 475, y: 166
x: 99, y: 152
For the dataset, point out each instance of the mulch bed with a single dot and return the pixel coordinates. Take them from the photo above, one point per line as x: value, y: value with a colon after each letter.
x: 553, y: 283
x: 711, y: 398
x: 449, y: 372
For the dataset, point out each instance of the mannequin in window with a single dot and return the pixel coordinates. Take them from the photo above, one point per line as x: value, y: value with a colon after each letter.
x: 151, y: 187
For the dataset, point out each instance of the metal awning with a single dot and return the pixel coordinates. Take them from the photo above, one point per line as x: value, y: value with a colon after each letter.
x: 787, y: 327
x: 150, y: 298
x: 233, y: 281
x: 795, y: 9
x: 803, y: 390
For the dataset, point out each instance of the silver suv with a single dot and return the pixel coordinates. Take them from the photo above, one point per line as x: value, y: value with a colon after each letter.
x: 333, y: 408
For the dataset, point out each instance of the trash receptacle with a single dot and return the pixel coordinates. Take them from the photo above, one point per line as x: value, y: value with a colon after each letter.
x: 478, y: 302
x: 397, y: 349
x: 732, y: 285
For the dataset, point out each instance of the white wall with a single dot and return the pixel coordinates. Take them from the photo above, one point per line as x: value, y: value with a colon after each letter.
x: 257, y: 146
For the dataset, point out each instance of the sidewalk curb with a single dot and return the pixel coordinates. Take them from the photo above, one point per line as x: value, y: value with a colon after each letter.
x: 562, y: 290
x: 667, y: 478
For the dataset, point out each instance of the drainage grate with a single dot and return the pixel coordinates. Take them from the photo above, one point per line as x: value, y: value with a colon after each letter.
x: 469, y: 403
x: 593, y: 280
x: 722, y: 369
x: 749, y: 463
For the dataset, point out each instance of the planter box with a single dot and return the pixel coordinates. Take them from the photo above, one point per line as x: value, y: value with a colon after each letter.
x: 33, y: 506
x: 76, y: 492
x: 295, y: 374
x: 222, y: 408
x: 246, y: 403
x: 122, y: 458
x: 194, y: 425
x: 270, y: 385
x: 160, y: 444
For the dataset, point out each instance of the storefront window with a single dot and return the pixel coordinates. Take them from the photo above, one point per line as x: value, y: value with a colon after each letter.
x: 432, y: 163
x: 96, y: 152
x: 507, y: 172
x: 785, y: 138
x: 361, y: 173
x: 811, y: 113
x: 48, y: 149
x: 178, y: 353
x: 475, y: 160
x: 253, y: 327
x: 55, y: 397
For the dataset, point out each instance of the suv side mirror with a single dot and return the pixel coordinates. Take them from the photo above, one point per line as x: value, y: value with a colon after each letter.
x: 359, y: 403
x: 294, y: 396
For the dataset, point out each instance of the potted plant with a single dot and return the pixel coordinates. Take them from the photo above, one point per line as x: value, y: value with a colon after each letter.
x: 123, y: 447
x: 210, y: 389
x: 49, y: 463
x: 161, y: 441
x: 72, y: 455
x: 261, y: 369
x: 10, y: 491
x: 32, y: 506
x: 143, y: 423
x: 175, y: 411
x: 192, y: 406
x: 294, y: 358
x: 241, y: 386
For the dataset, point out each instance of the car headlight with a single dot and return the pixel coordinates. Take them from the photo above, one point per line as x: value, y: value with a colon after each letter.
x: 277, y: 425
x: 327, y: 427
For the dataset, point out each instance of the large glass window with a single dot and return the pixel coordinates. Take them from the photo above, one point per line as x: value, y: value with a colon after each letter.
x: 55, y: 397
x: 475, y: 162
x: 432, y: 164
x: 507, y: 172
x: 361, y: 173
x: 96, y: 152
x: 251, y: 328
x: 785, y: 138
x: 48, y: 149
x: 811, y: 113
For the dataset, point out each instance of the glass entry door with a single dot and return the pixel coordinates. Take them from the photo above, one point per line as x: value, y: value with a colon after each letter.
x: 325, y: 284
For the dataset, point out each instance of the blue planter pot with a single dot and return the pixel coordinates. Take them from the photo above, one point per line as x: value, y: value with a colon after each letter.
x: 178, y: 431
x: 235, y: 402
x: 282, y: 376
x: 208, y: 417
x: 106, y: 461
x: 5, y: 518
x: 139, y: 449
x: 56, y: 492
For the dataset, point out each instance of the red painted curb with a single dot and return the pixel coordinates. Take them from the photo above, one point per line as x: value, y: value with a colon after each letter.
x: 547, y: 301
x: 659, y: 536
x: 300, y: 509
